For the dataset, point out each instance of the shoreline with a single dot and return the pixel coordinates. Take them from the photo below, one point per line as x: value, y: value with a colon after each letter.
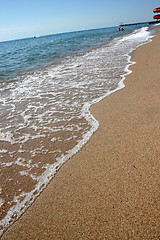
x: 19, y: 208
x: 87, y: 200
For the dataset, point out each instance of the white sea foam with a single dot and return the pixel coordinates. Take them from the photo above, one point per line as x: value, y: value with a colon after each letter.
x: 7, y: 136
x: 1, y: 202
x: 138, y: 34
x: 3, y: 151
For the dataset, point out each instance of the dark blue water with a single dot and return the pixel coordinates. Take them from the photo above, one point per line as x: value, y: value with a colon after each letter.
x: 19, y: 56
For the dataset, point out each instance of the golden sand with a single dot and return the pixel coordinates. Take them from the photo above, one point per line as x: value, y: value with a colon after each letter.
x: 109, y: 190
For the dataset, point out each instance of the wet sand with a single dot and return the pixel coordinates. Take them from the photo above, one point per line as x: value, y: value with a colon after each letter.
x: 109, y: 190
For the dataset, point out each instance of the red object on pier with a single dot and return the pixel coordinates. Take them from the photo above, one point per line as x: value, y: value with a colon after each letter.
x: 156, y: 16
x: 156, y: 10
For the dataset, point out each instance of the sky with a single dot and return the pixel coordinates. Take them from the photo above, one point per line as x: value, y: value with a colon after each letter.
x: 28, y: 18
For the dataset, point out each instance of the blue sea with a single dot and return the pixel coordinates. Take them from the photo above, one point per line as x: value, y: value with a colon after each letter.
x: 47, y: 85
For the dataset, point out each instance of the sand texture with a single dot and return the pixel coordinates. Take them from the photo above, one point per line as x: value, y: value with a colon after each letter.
x: 109, y: 190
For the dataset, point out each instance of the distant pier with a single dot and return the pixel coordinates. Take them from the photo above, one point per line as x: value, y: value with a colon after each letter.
x: 130, y: 24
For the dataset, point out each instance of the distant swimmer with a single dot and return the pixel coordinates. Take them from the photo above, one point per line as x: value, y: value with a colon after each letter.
x: 121, y: 29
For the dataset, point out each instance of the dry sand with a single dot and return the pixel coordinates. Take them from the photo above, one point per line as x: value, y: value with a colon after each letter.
x: 109, y: 190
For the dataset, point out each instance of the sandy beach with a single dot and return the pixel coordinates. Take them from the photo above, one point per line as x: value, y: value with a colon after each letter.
x: 110, y: 189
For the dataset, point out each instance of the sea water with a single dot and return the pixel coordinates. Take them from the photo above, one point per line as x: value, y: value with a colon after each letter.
x: 47, y: 85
